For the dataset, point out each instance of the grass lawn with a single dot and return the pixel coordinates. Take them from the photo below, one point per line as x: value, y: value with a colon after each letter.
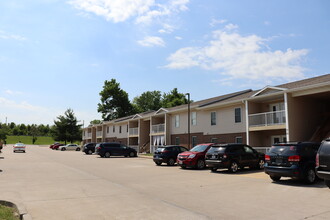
x: 7, y: 213
x: 28, y: 140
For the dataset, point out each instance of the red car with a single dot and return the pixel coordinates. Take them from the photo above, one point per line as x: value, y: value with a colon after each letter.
x: 56, y: 146
x: 195, y: 157
x: 51, y: 146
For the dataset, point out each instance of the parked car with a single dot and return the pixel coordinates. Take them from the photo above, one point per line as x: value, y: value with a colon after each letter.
x: 195, y: 157
x: 56, y: 146
x: 51, y: 146
x: 70, y: 147
x: 295, y: 160
x: 19, y: 147
x: 323, y: 162
x: 89, y: 148
x: 233, y: 157
x: 167, y: 154
x: 114, y: 149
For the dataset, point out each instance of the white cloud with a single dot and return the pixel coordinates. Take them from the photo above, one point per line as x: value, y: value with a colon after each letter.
x: 143, y: 11
x: 167, y: 29
x: 11, y: 92
x: 214, y: 22
x: 152, y: 41
x: 178, y: 37
x: 8, y: 36
x: 237, y: 56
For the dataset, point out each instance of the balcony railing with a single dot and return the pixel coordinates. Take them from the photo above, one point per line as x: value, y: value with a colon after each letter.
x: 160, y: 128
x: 87, y: 136
x: 99, y: 134
x: 133, y: 131
x: 267, y: 119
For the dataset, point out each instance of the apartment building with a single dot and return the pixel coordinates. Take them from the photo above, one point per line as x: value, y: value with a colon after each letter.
x: 296, y: 111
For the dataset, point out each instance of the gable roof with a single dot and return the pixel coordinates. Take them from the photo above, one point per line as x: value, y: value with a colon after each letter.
x: 268, y: 89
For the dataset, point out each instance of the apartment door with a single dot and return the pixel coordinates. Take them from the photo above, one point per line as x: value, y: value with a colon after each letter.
x: 278, y: 139
x: 277, y: 116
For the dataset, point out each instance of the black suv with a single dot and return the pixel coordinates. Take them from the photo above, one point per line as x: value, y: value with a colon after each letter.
x: 323, y: 162
x: 89, y: 148
x: 295, y: 160
x: 114, y: 149
x: 233, y: 156
x: 167, y: 154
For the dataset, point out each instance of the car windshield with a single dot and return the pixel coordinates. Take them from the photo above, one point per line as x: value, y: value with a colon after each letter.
x: 199, y: 148
x: 161, y: 149
x: 217, y: 149
x: 283, y: 150
x: 19, y: 144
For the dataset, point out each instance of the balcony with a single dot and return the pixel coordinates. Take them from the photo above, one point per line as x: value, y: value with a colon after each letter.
x: 276, y: 119
x: 87, y: 136
x: 99, y: 134
x: 133, y: 132
x: 156, y: 129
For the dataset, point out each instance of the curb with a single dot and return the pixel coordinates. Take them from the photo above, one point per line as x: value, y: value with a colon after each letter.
x: 143, y: 156
x: 19, y: 209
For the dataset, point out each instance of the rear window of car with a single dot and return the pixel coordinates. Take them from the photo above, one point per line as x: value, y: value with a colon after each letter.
x: 199, y: 148
x: 217, y: 149
x: 283, y: 150
x: 325, y: 148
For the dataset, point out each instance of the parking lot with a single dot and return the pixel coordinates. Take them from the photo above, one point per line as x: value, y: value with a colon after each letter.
x: 71, y: 185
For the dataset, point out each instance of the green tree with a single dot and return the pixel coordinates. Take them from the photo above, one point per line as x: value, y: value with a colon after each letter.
x: 66, y: 128
x: 95, y: 122
x: 150, y: 100
x: 4, y: 131
x: 174, y: 98
x: 114, y: 101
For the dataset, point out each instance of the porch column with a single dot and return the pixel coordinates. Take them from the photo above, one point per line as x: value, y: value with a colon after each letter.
x: 286, y: 117
x: 247, y: 122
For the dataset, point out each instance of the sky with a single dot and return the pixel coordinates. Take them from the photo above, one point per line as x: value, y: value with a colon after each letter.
x: 56, y: 54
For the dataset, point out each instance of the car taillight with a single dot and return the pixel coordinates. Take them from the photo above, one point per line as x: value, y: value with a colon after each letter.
x: 295, y: 158
x: 165, y: 151
x: 317, y: 161
x: 267, y: 158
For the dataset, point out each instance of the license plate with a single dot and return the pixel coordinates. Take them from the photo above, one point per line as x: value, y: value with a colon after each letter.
x: 278, y: 161
x: 214, y: 157
x: 180, y: 162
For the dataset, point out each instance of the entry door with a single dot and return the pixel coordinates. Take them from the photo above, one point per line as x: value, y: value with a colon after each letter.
x: 278, y: 139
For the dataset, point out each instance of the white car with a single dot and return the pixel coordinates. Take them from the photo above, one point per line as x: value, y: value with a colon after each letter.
x: 19, y: 147
x: 70, y: 147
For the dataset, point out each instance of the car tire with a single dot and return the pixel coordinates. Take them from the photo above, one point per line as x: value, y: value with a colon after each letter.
x: 275, y: 178
x: 310, y: 176
x: 131, y: 154
x: 200, y: 164
x: 261, y: 164
x: 183, y: 166
x: 77, y: 149
x: 158, y: 163
x: 171, y: 162
x: 107, y: 154
x: 233, y: 167
x: 63, y: 149
x: 327, y: 182
x: 214, y: 169
x: 89, y: 152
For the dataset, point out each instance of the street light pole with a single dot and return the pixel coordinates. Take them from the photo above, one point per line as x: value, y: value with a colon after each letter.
x: 188, y: 94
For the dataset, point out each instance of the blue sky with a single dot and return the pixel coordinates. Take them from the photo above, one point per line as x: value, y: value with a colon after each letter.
x: 56, y: 54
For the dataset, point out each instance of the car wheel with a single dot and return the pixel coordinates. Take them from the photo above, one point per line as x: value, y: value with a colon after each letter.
x: 78, y: 149
x: 131, y: 154
x: 158, y: 163
x: 171, y: 162
x: 89, y: 152
x: 261, y: 164
x: 214, y: 169
x: 183, y: 166
x: 200, y: 164
x: 107, y: 154
x: 327, y: 182
x: 310, y: 176
x: 233, y: 167
x: 63, y: 149
x: 275, y: 178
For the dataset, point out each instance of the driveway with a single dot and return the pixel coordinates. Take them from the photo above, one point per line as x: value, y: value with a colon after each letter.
x: 71, y: 185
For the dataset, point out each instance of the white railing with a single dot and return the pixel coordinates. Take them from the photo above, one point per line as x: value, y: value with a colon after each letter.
x: 160, y: 128
x: 133, y: 131
x: 87, y: 136
x: 99, y: 134
x: 267, y: 118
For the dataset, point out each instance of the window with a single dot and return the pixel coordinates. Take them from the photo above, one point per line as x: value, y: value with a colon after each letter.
x: 194, y: 141
x: 193, y: 118
x: 177, y: 121
x: 107, y: 129
x: 213, y: 118
x: 177, y: 140
x: 127, y: 128
x: 238, y: 116
x: 214, y: 140
x: 113, y: 129
x: 120, y: 129
x: 239, y: 140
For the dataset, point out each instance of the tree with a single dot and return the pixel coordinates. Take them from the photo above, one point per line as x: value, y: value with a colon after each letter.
x: 173, y: 98
x: 150, y: 100
x: 95, y: 122
x: 114, y: 101
x: 66, y: 128
x: 4, y: 131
